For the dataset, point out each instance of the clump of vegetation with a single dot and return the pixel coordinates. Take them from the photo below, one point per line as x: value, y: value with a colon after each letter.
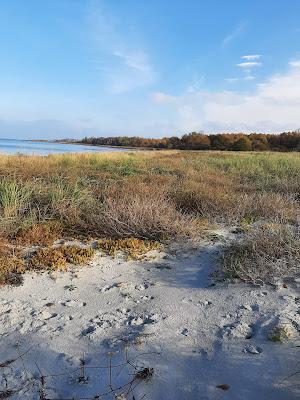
x: 12, y: 264
x: 138, y: 208
x: 281, y: 333
x: 39, y: 234
x: 269, y: 206
x: 266, y: 253
x: 50, y: 258
x: 209, y: 194
x: 77, y: 255
x: 133, y: 248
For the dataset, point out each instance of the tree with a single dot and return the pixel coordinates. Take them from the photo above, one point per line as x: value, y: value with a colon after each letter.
x: 173, y: 142
x: 243, y: 144
x: 195, y: 141
x: 259, y: 142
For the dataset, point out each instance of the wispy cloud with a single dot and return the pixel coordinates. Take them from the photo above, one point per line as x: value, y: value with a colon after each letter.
x: 235, y: 33
x: 251, y: 57
x: 248, y: 64
x: 136, y: 61
x: 121, y: 59
x: 132, y: 72
x: 295, y: 64
x: 249, y: 78
x: 163, y: 98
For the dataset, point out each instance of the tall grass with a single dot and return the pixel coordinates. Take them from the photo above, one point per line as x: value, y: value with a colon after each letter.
x: 146, y: 195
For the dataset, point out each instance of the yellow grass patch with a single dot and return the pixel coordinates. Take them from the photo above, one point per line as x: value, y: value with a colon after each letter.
x: 58, y: 258
x: 133, y: 248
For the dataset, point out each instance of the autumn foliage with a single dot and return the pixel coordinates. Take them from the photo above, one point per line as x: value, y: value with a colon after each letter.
x: 287, y: 141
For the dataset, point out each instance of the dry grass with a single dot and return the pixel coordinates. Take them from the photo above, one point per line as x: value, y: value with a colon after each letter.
x: 144, y: 210
x: 147, y: 195
x: 267, y: 252
x: 206, y: 199
x: 76, y: 189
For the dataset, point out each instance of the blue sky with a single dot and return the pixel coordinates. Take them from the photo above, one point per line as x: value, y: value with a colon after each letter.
x: 70, y: 68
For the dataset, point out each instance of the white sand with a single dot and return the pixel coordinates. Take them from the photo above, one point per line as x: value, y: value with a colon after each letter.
x: 196, y: 336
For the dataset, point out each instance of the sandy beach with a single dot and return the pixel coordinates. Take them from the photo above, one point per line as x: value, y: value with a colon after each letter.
x: 162, y: 315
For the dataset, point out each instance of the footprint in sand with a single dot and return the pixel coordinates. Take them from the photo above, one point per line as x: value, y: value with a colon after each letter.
x: 123, y: 317
x: 45, y: 315
x: 147, y: 298
x: 185, y: 332
x: 142, y: 286
x: 70, y: 288
x: 73, y: 303
x: 106, y: 288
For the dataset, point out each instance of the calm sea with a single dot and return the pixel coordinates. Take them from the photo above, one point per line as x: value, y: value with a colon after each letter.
x: 12, y: 146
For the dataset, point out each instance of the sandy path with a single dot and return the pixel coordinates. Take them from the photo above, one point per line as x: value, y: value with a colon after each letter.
x: 196, y: 336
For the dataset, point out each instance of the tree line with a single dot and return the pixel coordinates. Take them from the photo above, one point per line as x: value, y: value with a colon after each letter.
x: 286, y: 141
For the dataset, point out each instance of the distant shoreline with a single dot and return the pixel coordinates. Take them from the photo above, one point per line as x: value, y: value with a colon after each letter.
x: 101, y: 145
x: 86, y: 144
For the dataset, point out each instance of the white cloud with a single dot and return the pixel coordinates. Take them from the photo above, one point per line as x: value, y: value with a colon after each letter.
x: 274, y: 106
x: 247, y: 77
x: 295, y: 64
x: 251, y: 57
x: 248, y: 64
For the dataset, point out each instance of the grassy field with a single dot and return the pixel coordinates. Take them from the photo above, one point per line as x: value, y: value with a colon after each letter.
x: 152, y: 196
